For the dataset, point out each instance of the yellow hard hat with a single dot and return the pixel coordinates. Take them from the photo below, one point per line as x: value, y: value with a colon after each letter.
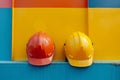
x: 79, y: 50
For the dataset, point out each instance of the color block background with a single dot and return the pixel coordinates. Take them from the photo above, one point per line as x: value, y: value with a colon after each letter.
x: 57, y: 18
x: 5, y: 20
x: 102, y: 23
x: 10, y: 70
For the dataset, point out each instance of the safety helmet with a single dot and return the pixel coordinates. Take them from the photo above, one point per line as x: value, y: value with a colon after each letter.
x: 79, y: 50
x: 40, y: 49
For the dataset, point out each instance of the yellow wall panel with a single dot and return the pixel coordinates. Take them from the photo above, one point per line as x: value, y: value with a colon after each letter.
x: 104, y: 30
x: 59, y: 23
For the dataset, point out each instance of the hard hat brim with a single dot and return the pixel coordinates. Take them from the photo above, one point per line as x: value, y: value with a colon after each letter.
x: 80, y: 63
x: 40, y: 62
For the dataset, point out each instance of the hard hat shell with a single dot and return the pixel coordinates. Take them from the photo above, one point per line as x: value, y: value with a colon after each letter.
x: 79, y: 50
x: 40, y: 49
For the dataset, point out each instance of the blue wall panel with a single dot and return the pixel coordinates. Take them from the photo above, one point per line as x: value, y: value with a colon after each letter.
x: 5, y: 33
x: 56, y: 71
x: 104, y: 3
x: 117, y: 73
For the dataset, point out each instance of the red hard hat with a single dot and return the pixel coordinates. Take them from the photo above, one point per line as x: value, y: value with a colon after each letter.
x: 40, y: 49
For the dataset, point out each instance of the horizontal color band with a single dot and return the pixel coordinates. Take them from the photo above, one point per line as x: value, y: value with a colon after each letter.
x: 51, y: 3
x: 104, y: 3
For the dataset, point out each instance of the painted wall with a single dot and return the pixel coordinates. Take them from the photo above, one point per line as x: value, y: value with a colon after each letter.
x: 5, y: 29
x: 10, y: 70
